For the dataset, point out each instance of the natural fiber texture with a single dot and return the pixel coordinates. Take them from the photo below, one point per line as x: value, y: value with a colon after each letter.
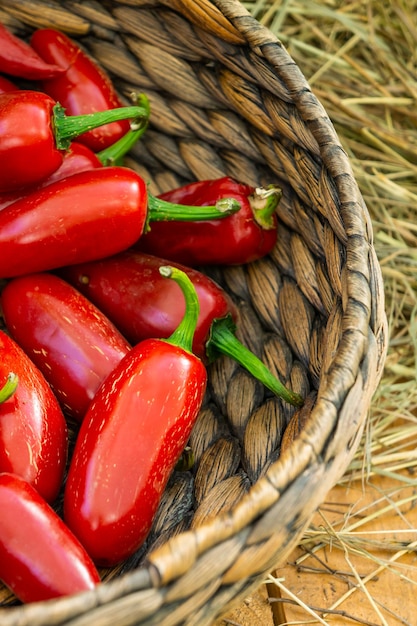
x: 226, y: 98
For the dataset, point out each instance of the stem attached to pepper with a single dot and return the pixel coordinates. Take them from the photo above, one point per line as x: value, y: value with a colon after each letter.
x: 67, y: 127
x: 9, y: 387
x: 222, y: 340
x: 113, y: 155
x: 264, y: 201
x: 183, y: 335
x: 161, y: 210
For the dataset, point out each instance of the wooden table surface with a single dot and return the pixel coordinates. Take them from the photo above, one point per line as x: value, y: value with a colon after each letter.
x: 365, y: 572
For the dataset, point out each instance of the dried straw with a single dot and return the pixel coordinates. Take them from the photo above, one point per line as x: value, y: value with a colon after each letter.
x: 361, y: 61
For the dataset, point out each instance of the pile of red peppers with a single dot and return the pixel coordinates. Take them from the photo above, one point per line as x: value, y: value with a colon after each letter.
x: 109, y: 323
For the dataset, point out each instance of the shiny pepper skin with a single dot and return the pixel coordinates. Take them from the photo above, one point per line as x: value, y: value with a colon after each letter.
x: 82, y: 86
x: 128, y: 444
x: 40, y: 558
x: 245, y: 236
x: 142, y: 304
x: 33, y: 430
x: 85, y: 216
x: 70, y: 340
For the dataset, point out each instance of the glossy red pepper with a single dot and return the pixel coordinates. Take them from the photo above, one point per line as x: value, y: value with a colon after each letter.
x: 131, y: 439
x: 84, y: 87
x: 129, y: 289
x: 18, y: 58
x: 68, y: 338
x: 244, y: 237
x: 78, y: 158
x: 35, y: 133
x: 33, y: 430
x: 86, y: 216
x: 40, y: 558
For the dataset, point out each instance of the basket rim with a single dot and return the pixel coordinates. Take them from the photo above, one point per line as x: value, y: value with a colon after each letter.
x: 356, y: 347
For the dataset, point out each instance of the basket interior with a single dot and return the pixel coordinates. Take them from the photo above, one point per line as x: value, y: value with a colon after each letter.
x: 227, y: 100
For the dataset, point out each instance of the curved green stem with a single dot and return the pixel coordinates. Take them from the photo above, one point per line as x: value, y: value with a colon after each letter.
x: 9, y: 387
x: 222, y: 340
x: 67, y: 127
x: 183, y: 335
x: 161, y: 210
x: 113, y: 155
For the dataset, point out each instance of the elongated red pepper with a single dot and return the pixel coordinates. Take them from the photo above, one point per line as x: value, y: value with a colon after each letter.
x: 33, y: 430
x: 40, y: 558
x: 68, y: 338
x: 78, y: 158
x: 35, y: 133
x: 86, y: 216
x: 241, y: 238
x: 84, y: 87
x: 17, y: 58
x: 130, y: 291
x: 132, y: 437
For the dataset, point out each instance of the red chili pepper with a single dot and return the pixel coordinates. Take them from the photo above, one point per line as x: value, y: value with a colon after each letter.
x: 33, y: 430
x: 40, y: 558
x: 78, y: 158
x: 7, y: 85
x: 86, y: 216
x: 244, y: 237
x: 84, y: 87
x: 130, y: 291
x: 35, y: 132
x: 132, y: 437
x: 68, y: 338
x: 17, y: 58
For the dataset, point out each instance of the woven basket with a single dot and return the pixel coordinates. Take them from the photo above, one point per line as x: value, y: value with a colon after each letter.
x: 226, y: 98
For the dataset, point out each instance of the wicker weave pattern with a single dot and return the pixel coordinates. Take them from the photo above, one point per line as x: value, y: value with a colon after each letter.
x: 226, y: 98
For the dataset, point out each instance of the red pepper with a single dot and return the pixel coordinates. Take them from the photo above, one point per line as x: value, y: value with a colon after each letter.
x: 72, y: 343
x: 7, y: 85
x: 78, y: 158
x: 82, y: 88
x: 131, y: 439
x: 35, y: 133
x: 130, y: 291
x: 244, y: 237
x: 17, y: 58
x: 40, y: 558
x: 86, y: 216
x: 33, y: 430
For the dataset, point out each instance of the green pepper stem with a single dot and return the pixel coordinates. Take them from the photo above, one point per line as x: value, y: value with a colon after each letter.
x: 67, y: 127
x: 183, y: 335
x: 222, y: 340
x: 161, y: 210
x: 264, y: 201
x: 9, y: 387
x: 113, y: 155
